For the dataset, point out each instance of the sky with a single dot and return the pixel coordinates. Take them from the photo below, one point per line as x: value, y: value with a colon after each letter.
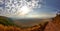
x: 29, y: 8
x: 24, y: 9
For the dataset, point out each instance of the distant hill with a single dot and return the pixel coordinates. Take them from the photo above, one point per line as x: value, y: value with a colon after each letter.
x: 30, y: 22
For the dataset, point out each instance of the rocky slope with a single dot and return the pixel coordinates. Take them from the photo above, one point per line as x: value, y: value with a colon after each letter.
x: 53, y: 25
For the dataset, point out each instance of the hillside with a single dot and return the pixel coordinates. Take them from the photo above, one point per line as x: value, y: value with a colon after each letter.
x: 6, y: 21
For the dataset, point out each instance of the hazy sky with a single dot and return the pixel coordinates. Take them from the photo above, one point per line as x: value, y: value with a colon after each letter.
x: 29, y: 8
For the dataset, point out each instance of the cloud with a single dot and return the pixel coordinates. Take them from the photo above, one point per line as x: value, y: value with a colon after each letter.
x: 34, y: 3
x: 13, y: 6
x: 1, y: 11
x: 1, y: 2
